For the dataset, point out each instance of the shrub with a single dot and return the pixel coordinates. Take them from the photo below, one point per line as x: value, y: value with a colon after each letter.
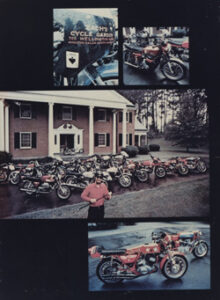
x: 5, y: 157
x: 132, y: 151
x: 154, y: 147
x: 143, y: 149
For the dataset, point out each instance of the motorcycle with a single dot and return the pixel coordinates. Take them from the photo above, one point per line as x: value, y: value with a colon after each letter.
x: 5, y: 170
x: 45, y: 184
x: 155, y: 166
x: 177, y: 165
x: 130, y: 263
x: 196, y: 164
x: 150, y: 57
x: 121, y: 175
x: 138, y: 171
x: 20, y: 170
x: 180, y: 48
x: 190, y: 241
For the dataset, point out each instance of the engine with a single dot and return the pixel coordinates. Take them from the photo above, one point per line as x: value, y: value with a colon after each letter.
x: 146, y: 264
x: 44, y: 186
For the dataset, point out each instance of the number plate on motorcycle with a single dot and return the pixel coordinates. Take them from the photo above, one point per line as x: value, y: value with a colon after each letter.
x: 72, y: 60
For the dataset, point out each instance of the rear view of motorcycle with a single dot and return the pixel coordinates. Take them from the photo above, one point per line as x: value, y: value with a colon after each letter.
x: 85, y: 50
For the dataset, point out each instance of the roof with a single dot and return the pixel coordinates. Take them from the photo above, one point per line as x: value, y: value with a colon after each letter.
x: 138, y: 126
x: 98, y: 98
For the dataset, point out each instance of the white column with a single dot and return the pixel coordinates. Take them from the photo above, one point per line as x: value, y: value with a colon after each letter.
x: 50, y: 130
x: 91, y: 130
x: 139, y: 140
x: 2, y: 126
x: 7, y: 128
x: 124, y: 128
x: 114, y: 137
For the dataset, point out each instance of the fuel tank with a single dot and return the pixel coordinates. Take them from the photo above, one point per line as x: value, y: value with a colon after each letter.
x: 152, y: 50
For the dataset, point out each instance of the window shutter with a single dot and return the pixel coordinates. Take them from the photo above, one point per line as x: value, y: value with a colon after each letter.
x: 130, y: 117
x: 34, y: 110
x: 120, y: 116
x: 96, y: 138
x: 16, y: 140
x: 130, y: 139
x: 108, y: 112
x: 34, y: 140
x: 59, y: 110
x: 120, y: 139
x: 16, y: 111
x: 95, y: 111
x: 107, y: 139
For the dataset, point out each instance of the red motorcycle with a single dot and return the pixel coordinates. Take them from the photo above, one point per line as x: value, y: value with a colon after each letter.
x: 150, y: 57
x: 189, y: 240
x: 119, y: 264
x: 137, y: 170
x: 180, y: 48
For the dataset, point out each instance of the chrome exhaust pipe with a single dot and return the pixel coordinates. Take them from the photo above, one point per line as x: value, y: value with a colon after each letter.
x: 28, y: 190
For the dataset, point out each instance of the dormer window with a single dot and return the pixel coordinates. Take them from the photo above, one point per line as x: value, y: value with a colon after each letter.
x: 25, y: 111
x: 67, y: 114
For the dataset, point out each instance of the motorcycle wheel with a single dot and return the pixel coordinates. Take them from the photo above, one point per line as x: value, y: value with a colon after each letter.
x: 63, y: 193
x: 142, y: 176
x: 29, y: 185
x: 177, y: 68
x: 105, y: 270
x: 160, y: 172
x: 201, y: 166
x: 200, y: 250
x: 183, y: 170
x: 125, y: 181
x: 3, y: 176
x: 175, y: 268
x: 14, y: 178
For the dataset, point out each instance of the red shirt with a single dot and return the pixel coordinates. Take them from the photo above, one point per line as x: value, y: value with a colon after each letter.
x: 92, y: 191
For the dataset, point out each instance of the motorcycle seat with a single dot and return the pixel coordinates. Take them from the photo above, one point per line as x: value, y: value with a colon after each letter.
x: 114, y: 251
x: 133, y: 47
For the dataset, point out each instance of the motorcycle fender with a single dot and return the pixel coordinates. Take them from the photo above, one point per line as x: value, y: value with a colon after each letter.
x: 174, y: 59
x: 166, y: 257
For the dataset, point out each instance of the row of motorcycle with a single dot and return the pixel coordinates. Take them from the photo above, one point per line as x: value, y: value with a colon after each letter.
x: 166, y: 250
x: 64, y: 177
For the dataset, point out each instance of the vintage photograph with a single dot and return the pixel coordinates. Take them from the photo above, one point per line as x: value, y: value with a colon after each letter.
x: 85, y: 47
x: 148, y: 256
x: 95, y: 154
x: 156, y: 55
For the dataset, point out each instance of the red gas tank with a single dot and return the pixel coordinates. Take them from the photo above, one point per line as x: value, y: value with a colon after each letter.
x: 152, y: 50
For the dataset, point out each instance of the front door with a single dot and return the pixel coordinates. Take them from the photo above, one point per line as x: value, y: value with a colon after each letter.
x: 66, y: 141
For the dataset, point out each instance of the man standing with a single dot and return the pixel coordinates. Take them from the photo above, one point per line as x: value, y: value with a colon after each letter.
x: 96, y: 193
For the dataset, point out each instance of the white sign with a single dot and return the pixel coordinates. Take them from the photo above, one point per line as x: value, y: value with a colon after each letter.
x: 72, y: 60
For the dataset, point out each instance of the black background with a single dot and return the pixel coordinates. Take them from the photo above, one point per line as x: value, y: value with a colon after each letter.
x: 47, y: 259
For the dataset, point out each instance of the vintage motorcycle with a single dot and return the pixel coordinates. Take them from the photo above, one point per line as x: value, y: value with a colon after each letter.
x: 150, y: 57
x: 196, y: 164
x: 5, y: 171
x: 180, y: 48
x: 138, y: 171
x: 130, y: 263
x: 189, y: 240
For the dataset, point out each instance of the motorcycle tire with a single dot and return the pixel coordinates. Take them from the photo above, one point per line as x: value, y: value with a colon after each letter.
x: 125, y: 181
x: 183, y: 170
x: 63, y: 193
x: 3, y: 176
x: 201, y: 167
x: 14, y: 178
x: 179, y: 71
x: 160, y: 172
x: 200, y: 250
x: 105, y: 268
x: 142, y: 175
x: 175, y: 271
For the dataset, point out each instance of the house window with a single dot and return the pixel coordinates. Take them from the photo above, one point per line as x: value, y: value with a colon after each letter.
x: 66, y: 113
x: 25, y: 111
x: 102, y: 140
x: 25, y: 140
x: 101, y: 115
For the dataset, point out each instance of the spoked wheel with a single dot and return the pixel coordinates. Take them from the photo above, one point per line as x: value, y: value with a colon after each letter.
x: 173, y: 70
x: 14, y: 178
x: 107, y: 271
x: 160, y: 172
x: 200, y: 250
x: 3, y: 176
x: 183, y: 170
x: 125, y: 181
x: 142, y: 175
x: 63, y: 192
x: 201, y: 166
x: 175, y: 268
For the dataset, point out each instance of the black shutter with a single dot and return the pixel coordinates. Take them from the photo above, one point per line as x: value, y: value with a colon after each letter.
x: 16, y: 140
x: 34, y: 140
x: 120, y: 139
x: 107, y: 139
x: 59, y: 110
x: 96, y: 139
x: 95, y: 111
x: 130, y: 139
x: 108, y: 112
x: 130, y: 117
x: 120, y: 116
x: 16, y: 111
x: 34, y: 108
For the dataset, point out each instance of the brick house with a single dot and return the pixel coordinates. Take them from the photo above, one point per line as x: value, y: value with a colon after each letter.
x: 40, y: 123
